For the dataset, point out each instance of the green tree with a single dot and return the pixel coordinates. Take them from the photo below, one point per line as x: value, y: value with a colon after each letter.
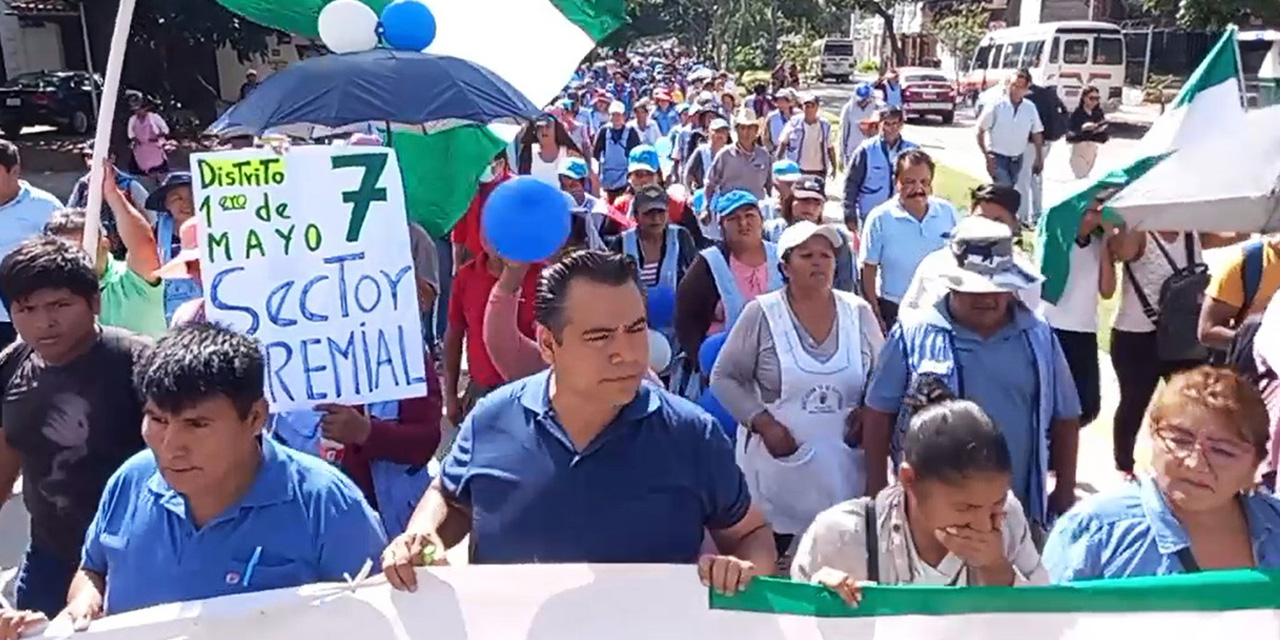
x: 1214, y: 14
x: 961, y: 31
x: 883, y: 9
x: 159, y: 22
x: 742, y: 31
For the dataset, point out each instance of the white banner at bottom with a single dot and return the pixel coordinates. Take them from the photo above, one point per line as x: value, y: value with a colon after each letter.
x: 608, y: 602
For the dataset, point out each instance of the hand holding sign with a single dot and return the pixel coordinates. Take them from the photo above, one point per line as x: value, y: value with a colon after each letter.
x: 344, y: 424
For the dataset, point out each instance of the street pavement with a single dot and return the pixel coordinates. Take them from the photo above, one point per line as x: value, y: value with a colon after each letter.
x: 956, y: 145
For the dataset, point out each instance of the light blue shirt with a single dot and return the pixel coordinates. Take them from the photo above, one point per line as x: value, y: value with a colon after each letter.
x: 996, y: 373
x: 1132, y: 532
x: 309, y: 521
x: 24, y: 217
x: 896, y: 242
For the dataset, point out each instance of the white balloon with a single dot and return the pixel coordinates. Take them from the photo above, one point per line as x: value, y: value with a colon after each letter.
x: 659, y: 351
x: 348, y: 26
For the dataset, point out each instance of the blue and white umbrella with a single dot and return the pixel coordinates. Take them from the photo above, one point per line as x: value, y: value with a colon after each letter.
x: 331, y: 94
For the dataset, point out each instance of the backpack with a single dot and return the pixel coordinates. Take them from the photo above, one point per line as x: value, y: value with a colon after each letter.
x: 1240, y: 354
x: 1178, y: 318
x: 1053, y: 114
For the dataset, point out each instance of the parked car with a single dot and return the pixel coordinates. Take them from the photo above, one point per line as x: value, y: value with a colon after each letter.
x: 61, y: 99
x: 927, y: 92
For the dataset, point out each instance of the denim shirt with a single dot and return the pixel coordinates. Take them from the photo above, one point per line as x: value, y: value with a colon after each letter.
x: 1133, y: 533
x: 925, y: 343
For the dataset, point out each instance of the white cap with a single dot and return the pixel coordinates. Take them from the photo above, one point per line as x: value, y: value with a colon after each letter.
x: 718, y: 124
x: 800, y: 232
x: 617, y: 107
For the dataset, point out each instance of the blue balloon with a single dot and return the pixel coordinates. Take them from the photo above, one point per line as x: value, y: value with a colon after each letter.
x: 710, y: 351
x: 662, y: 306
x: 526, y: 220
x: 408, y: 25
x: 711, y: 404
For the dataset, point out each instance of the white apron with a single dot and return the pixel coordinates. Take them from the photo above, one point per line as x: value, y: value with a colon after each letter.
x: 815, y: 401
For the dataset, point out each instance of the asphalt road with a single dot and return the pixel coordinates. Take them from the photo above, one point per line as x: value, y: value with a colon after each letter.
x: 956, y: 146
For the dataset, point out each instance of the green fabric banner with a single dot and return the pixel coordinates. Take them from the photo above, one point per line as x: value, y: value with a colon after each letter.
x: 1056, y: 233
x: 441, y: 172
x: 598, y: 18
x: 1207, y: 591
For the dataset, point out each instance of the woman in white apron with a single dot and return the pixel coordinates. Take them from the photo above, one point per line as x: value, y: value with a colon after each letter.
x: 793, y: 372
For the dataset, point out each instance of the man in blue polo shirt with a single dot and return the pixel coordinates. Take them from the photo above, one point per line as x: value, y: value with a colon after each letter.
x: 211, y: 508
x: 900, y: 233
x: 586, y: 462
x: 24, y: 210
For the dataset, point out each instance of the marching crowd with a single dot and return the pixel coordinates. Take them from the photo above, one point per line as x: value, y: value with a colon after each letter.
x: 885, y: 398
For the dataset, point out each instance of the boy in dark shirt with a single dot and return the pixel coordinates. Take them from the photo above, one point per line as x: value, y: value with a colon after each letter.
x: 69, y: 415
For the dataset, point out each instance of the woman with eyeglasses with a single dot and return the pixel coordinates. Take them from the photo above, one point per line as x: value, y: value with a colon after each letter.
x: 1199, y: 510
x: 1087, y: 128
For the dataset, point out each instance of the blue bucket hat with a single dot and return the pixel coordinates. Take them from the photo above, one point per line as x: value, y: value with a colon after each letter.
x: 155, y: 201
x: 575, y: 168
x: 863, y: 90
x: 729, y: 203
x: 643, y: 158
x: 786, y: 171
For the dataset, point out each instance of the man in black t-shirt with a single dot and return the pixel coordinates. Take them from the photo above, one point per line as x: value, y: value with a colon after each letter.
x: 69, y: 416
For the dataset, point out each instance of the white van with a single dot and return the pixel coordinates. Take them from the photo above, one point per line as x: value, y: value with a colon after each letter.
x: 1068, y: 55
x: 1260, y: 62
x: 833, y: 59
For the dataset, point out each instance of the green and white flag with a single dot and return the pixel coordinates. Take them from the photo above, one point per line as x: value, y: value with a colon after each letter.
x: 1209, y: 102
x: 535, y: 45
x: 667, y: 602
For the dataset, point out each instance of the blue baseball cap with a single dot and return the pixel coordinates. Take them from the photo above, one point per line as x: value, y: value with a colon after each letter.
x: 863, y: 90
x: 786, y: 171
x: 643, y: 158
x: 729, y: 203
x: 575, y: 168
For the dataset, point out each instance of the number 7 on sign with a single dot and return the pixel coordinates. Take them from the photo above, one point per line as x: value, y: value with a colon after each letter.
x: 374, y: 164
